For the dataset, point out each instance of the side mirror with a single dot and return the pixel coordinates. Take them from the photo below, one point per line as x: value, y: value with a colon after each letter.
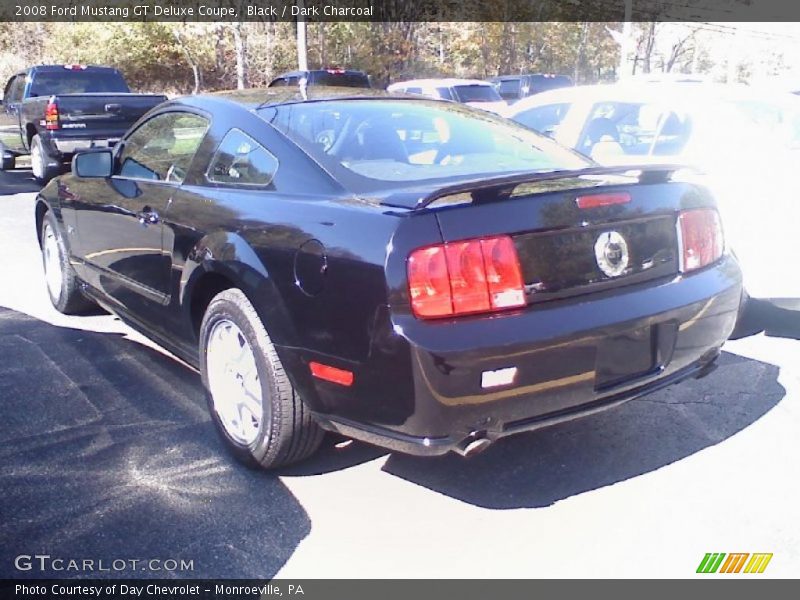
x: 1, y: 102
x: 93, y: 163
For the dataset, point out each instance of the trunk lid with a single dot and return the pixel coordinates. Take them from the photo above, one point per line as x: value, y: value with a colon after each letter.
x: 565, y: 250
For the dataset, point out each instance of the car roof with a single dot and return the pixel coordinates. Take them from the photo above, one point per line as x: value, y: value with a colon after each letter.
x: 332, y: 71
x: 447, y: 81
x: 70, y: 67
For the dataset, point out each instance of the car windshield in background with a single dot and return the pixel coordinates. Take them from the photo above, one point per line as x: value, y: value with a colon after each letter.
x: 386, y: 142
x: 78, y: 82
x: 477, y: 93
x: 340, y: 79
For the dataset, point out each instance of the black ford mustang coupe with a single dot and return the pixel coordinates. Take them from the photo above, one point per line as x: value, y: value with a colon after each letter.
x: 413, y: 273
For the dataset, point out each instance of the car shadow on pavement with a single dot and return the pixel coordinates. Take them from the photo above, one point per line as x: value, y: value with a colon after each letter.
x: 107, y: 453
x: 540, y: 468
x: 18, y: 181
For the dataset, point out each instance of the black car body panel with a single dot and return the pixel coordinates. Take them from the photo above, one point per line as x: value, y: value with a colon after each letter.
x: 326, y: 270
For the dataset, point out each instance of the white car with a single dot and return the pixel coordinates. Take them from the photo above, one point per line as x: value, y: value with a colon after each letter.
x: 474, y: 92
x: 743, y: 144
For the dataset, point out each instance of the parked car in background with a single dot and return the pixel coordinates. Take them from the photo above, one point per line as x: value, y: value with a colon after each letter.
x: 515, y: 87
x: 407, y: 272
x: 473, y: 92
x: 327, y: 77
x: 51, y: 111
x: 744, y: 142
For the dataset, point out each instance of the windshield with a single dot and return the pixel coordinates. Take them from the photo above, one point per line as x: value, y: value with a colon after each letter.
x: 476, y: 93
x: 375, y: 144
x: 77, y: 82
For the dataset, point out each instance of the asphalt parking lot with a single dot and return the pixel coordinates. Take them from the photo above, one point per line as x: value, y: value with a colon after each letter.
x: 108, y: 453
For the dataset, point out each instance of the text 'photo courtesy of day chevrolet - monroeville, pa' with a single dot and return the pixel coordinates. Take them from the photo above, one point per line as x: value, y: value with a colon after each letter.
x: 399, y: 298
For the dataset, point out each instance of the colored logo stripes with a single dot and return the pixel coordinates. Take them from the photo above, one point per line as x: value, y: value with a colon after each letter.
x: 717, y: 562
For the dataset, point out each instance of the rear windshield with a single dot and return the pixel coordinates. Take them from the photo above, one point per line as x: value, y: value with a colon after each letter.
x: 334, y: 78
x: 77, y: 82
x: 376, y: 144
x: 542, y: 83
x: 476, y: 93
x: 509, y: 88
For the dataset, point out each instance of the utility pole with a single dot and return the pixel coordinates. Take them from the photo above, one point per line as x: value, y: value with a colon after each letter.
x: 625, y: 46
x: 302, y: 50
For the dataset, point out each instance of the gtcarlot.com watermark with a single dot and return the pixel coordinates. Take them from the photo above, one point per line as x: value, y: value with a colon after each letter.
x: 45, y: 563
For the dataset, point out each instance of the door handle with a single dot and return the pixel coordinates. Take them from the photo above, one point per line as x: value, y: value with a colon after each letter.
x: 148, y: 217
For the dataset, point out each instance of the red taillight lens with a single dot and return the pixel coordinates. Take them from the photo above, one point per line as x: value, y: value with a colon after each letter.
x: 506, y: 288
x: 701, y: 237
x: 51, y: 116
x: 465, y: 277
x: 429, y: 283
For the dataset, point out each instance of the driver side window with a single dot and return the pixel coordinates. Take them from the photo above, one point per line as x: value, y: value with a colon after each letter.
x: 162, y: 148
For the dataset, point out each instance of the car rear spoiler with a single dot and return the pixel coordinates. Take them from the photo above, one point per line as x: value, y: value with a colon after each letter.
x: 498, y: 188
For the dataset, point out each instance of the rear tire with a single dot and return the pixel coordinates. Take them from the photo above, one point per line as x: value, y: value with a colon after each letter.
x: 44, y: 165
x: 63, y: 285
x: 255, y: 409
x: 7, y: 160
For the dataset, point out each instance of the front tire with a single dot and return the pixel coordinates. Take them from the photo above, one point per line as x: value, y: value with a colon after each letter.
x: 63, y: 285
x: 255, y: 409
x: 43, y: 164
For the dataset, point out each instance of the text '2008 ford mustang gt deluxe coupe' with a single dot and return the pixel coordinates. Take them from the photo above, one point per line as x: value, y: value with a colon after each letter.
x: 412, y: 273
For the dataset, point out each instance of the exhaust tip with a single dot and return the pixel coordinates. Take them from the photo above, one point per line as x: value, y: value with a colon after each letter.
x: 473, y: 447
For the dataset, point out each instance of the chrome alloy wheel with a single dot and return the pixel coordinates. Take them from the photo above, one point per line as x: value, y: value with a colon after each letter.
x: 233, y: 381
x: 37, y: 161
x: 52, y: 262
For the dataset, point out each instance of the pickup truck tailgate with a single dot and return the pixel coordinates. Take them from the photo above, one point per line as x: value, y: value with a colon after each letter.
x: 103, y: 115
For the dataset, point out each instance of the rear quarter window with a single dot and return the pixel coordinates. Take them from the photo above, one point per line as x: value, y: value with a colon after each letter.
x: 240, y: 160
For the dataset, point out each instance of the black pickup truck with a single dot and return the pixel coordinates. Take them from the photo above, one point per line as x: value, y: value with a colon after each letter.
x: 51, y: 111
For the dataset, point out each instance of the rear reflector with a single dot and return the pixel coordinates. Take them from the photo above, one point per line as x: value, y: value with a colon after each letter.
x: 465, y: 277
x: 701, y: 238
x: 595, y: 200
x: 328, y: 373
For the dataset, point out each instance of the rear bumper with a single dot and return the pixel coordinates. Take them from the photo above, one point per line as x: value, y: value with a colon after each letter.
x: 70, y: 146
x: 458, y: 442
x: 422, y: 390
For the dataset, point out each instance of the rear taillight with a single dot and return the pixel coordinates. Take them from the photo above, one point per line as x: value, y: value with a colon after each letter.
x: 701, y: 238
x: 51, y: 115
x: 465, y: 277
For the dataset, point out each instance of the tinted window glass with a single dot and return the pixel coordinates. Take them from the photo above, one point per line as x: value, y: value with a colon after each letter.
x: 77, y: 82
x: 543, y: 119
x: 341, y: 79
x: 509, y: 88
x: 162, y: 148
x: 16, y: 89
x: 476, y: 93
x: 542, y: 83
x: 240, y: 160
x: 378, y: 142
x: 444, y: 93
